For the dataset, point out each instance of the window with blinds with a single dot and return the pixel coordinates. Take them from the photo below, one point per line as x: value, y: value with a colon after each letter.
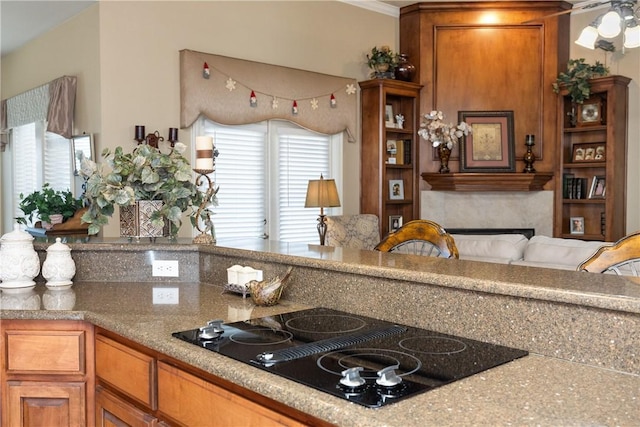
x: 37, y: 157
x: 262, y: 172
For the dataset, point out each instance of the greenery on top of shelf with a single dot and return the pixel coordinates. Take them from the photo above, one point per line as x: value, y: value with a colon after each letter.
x: 576, y: 78
x: 47, y: 202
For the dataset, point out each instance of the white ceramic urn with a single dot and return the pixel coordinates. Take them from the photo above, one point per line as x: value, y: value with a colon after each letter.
x: 59, y: 268
x: 19, y: 262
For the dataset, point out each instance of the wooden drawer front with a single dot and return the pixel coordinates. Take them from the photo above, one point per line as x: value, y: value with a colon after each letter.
x: 112, y: 411
x: 191, y: 401
x: 32, y: 403
x: 127, y: 370
x: 45, y: 352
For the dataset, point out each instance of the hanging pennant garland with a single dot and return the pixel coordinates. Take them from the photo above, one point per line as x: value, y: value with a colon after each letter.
x: 230, y: 84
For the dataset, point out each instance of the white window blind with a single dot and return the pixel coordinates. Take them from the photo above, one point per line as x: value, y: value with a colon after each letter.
x: 302, y: 156
x: 37, y: 157
x: 263, y: 171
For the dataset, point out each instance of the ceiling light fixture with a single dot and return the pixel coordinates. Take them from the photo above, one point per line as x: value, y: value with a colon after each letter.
x: 619, y: 17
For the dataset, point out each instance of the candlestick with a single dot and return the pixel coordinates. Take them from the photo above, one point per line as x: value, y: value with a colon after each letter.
x: 139, y: 134
x: 204, y: 153
x: 173, y: 136
x: 529, y: 157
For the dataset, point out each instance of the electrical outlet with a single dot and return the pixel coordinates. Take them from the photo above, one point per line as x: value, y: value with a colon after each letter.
x: 166, y: 295
x: 164, y: 268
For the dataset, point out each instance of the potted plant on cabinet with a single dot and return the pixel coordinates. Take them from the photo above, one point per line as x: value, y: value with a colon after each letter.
x: 48, y: 203
x: 144, y: 175
x: 382, y: 61
x: 576, y: 79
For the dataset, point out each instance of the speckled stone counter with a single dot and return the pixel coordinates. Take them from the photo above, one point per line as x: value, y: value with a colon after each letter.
x: 582, y: 329
x: 534, y: 390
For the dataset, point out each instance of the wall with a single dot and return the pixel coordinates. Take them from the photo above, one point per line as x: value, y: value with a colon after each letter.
x: 626, y: 64
x: 138, y: 58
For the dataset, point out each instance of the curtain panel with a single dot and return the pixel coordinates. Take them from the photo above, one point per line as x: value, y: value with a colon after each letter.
x: 53, y: 102
x: 3, y: 125
x: 234, y: 91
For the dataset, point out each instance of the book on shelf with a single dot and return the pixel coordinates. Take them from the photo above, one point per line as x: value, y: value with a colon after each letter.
x: 399, y: 152
x: 567, y: 185
x: 407, y: 151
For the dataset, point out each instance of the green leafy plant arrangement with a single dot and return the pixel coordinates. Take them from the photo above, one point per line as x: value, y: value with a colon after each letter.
x: 382, y: 60
x: 47, y: 202
x: 576, y: 78
x: 144, y: 174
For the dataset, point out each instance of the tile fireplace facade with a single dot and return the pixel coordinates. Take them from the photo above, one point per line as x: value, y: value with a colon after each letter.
x: 493, y: 209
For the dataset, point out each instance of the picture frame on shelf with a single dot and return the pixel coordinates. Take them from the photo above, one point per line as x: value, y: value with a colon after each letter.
x: 598, y: 187
x: 395, y: 222
x: 591, y: 152
x: 392, y: 146
x: 490, y: 146
x: 576, y: 225
x: 396, y: 189
x: 389, y: 117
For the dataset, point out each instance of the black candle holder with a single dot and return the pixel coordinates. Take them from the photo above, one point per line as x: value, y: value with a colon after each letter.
x: 153, y: 139
x: 207, y: 234
x: 529, y: 157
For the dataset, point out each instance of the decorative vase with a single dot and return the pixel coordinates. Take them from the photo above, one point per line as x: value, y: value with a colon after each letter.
x: 19, y: 262
x: 382, y: 71
x: 444, y: 152
x: 59, y: 268
x: 405, y: 69
x: 135, y: 220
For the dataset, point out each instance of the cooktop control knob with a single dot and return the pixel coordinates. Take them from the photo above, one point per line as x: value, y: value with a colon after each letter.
x: 211, y: 331
x: 387, y: 377
x: 351, y: 377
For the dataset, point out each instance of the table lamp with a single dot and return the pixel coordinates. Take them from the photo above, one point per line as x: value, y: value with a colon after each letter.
x: 322, y: 193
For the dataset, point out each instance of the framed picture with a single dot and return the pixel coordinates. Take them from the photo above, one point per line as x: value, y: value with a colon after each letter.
x: 589, y: 152
x: 577, y: 225
x: 396, y: 189
x: 490, y: 145
x: 598, y: 187
x: 395, y: 222
x: 388, y: 116
x: 392, y: 146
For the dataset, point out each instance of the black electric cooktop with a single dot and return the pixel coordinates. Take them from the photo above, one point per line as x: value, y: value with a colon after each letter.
x: 367, y: 361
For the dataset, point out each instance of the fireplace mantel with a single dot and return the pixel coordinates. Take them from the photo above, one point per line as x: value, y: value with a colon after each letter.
x: 487, y: 181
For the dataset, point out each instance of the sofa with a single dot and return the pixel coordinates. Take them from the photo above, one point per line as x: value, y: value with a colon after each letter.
x: 517, y: 249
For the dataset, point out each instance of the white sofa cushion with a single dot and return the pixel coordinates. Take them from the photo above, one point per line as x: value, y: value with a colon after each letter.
x: 552, y: 252
x: 499, y: 248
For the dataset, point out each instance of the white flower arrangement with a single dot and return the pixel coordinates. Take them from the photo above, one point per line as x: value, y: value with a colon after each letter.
x: 434, y: 130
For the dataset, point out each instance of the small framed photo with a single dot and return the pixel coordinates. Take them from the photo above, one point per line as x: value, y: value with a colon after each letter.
x: 588, y: 153
x: 392, y: 146
x: 490, y: 146
x: 577, y: 225
x: 598, y: 187
x: 395, y: 222
x: 396, y: 189
x: 388, y: 116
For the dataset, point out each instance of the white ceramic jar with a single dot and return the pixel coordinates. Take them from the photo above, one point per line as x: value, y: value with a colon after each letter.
x: 19, y: 262
x: 59, y: 268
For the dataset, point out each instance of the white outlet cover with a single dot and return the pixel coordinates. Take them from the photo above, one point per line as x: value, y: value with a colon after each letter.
x: 166, y: 295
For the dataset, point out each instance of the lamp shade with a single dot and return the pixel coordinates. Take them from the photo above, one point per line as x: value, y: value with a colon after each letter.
x: 322, y: 193
x: 611, y: 25
x: 588, y: 37
x: 632, y: 36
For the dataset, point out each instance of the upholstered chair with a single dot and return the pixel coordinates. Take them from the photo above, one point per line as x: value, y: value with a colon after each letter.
x: 360, y: 231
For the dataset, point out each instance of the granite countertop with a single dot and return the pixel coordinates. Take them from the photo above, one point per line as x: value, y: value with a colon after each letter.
x: 534, y: 390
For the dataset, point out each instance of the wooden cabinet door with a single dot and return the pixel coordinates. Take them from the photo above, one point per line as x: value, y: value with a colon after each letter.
x: 114, y: 412
x: 32, y: 403
x: 192, y: 401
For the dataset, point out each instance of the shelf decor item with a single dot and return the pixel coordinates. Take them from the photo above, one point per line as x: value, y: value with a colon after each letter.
x: 383, y: 62
x: 490, y: 148
x: 529, y: 157
x: 576, y: 79
x: 577, y: 225
x: 396, y: 189
x: 51, y: 206
x: 442, y: 136
x: 146, y: 174
x: 405, y: 70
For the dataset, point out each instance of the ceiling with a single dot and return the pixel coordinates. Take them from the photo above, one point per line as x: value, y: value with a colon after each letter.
x: 22, y: 20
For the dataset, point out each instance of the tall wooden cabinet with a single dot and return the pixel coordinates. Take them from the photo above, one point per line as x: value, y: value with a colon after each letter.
x: 590, y: 193
x: 389, y: 174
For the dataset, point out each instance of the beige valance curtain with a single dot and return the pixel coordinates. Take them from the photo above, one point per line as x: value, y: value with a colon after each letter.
x: 223, y: 92
x: 53, y: 102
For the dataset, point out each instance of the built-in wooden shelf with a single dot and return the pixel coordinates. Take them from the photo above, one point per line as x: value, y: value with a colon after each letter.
x: 487, y: 181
